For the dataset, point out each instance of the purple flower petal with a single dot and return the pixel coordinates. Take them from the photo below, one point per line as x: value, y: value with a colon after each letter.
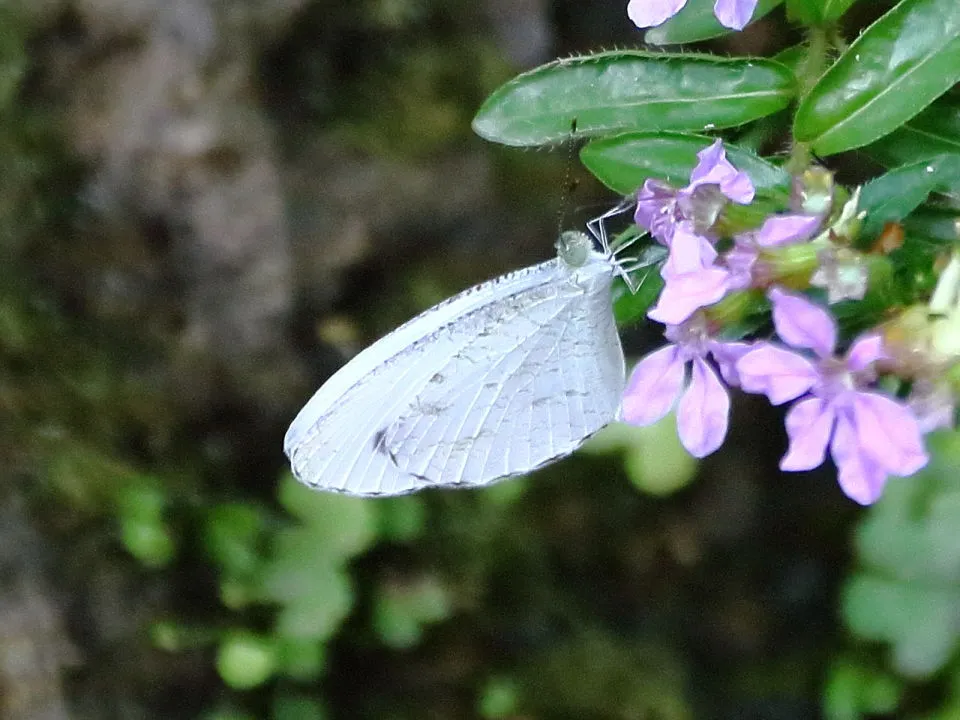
x: 803, y: 324
x: 685, y: 294
x: 712, y: 159
x: 689, y: 252
x: 786, y: 229
x: 776, y: 372
x: 653, y: 209
x: 738, y: 188
x: 704, y: 411
x: 715, y: 169
x: 726, y: 354
x: 740, y: 260
x: 888, y: 434
x: 654, y: 386
x: 865, y: 351
x: 650, y: 13
x: 859, y: 478
x: 734, y: 14
x: 809, y: 424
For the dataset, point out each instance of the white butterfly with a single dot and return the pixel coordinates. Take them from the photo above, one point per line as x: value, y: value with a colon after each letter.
x: 497, y: 381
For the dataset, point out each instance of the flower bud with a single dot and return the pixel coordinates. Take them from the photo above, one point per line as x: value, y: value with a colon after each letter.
x: 813, y: 192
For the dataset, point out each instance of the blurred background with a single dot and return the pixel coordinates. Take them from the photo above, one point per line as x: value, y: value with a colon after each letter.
x: 206, y: 206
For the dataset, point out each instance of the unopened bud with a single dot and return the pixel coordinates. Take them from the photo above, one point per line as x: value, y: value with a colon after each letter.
x: 813, y: 192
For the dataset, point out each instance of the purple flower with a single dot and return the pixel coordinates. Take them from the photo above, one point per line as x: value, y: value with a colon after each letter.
x: 776, y: 231
x: 692, y: 281
x: 734, y: 14
x: 696, y: 277
x: 660, y: 379
x: 870, y: 435
x: 714, y: 181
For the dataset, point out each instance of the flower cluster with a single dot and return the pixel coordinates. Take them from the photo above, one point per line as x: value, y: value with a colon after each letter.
x: 791, y: 258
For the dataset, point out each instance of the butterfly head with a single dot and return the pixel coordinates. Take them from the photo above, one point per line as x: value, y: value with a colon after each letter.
x: 574, y: 248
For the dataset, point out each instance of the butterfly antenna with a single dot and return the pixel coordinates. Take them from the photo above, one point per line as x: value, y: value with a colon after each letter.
x: 598, y: 227
x: 570, y: 183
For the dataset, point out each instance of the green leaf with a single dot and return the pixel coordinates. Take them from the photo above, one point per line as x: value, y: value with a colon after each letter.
x: 342, y: 524
x: 402, y: 518
x: 143, y: 498
x: 402, y: 610
x: 499, y: 698
x: 895, y: 195
x: 933, y: 132
x: 302, y: 659
x: 318, y: 611
x: 657, y: 464
x: 145, y: 533
x: 697, y: 22
x: 623, y: 162
x: 246, y: 660
x: 935, y: 226
x: 817, y: 12
x: 917, y: 620
x: 792, y: 57
x: 897, y: 67
x: 804, y: 12
x: 854, y: 689
x: 833, y: 10
x: 149, y: 541
x: 632, y: 90
x: 232, y: 534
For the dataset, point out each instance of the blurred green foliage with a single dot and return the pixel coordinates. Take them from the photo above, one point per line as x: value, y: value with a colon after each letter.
x: 908, y: 590
x: 905, y: 595
x: 610, y: 587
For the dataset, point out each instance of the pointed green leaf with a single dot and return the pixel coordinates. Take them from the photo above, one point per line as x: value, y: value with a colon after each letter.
x: 624, y: 161
x: 895, y: 195
x: 933, y: 132
x: 897, y: 67
x: 631, y: 90
x: 697, y: 22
